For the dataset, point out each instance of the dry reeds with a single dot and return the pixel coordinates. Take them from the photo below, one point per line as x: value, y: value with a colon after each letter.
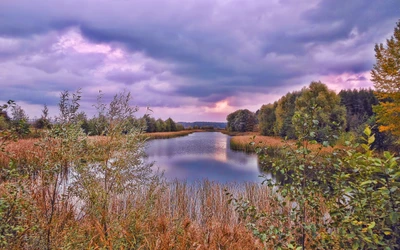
x: 167, y: 135
x: 175, y: 215
x: 250, y: 143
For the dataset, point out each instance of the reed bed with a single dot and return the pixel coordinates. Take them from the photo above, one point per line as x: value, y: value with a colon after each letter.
x: 198, y: 216
x: 250, y: 143
x: 25, y: 151
x: 22, y: 151
x: 175, y: 215
x: 167, y: 135
x: 163, y: 215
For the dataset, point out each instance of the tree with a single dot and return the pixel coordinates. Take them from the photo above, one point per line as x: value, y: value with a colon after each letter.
x: 267, y: 119
x: 81, y: 118
x: 150, y: 123
x: 43, y: 121
x: 358, y: 105
x: 324, y: 105
x: 284, y: 113
x: 170, y: 125
x: 386, y: 78
x: 241, y: 120
x: 160, y: 125
x: 19, y: 121
x: 4, y: 120
x: 115, y: 169
x: 180, y: 127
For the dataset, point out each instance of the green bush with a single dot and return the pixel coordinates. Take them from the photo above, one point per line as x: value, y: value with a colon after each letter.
x: 348, y: 199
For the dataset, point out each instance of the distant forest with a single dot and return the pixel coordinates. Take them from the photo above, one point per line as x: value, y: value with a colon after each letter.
x: 340, y: 116
x: 195, y: 125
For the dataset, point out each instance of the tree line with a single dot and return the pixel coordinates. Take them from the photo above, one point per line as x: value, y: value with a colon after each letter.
x: 346, y: 113
x: 19, y: 122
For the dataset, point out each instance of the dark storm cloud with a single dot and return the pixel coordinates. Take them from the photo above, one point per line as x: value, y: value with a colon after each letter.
x: 356, y: 79
x: 30, y: 94
x: 127, y: 76
x: 361, y: 14
x: 209, y: 50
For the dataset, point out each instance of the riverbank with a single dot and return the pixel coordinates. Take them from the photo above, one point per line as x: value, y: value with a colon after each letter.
x: 167, y: 135
x: 250, y: 141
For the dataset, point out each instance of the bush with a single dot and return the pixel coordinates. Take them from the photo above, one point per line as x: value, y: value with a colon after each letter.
x: 349, y: 199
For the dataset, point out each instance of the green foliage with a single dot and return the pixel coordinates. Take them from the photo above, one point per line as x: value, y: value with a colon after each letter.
x: 359, y: 114
x: 19, y: 122
x: 284, y: 113
x: 328, y: 112
x: 280, y: 118
x: 153, y: 125
x: 116, y: 169
x: 358, y: 105
x: 43, y: 122
x: 15, y: 208
x: 160, y: 125
x: 170, y: 125
x: 241, y: 120
x: 366, y: 212
x: 6, y: 132
x: 150, y: 123
x: 348, y: 199
x: 267, y: 119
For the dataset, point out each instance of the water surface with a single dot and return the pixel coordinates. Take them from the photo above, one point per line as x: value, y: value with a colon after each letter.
x: 202, y: 155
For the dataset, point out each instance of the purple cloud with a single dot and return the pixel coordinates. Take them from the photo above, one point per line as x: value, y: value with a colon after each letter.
x: 187, y: 54
x: 127, y: 76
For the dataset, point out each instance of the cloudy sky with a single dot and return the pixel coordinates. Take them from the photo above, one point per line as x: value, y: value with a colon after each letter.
x: 192, y: 60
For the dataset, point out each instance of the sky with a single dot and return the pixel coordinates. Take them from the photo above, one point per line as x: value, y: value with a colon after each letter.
x: 191, y: 60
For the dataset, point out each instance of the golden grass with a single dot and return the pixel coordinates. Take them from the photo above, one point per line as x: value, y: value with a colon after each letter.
x: 242, y: 142
x: 175, y: 215
x: 24, y: 150
x: 167, y: 135
x: 234, y: 133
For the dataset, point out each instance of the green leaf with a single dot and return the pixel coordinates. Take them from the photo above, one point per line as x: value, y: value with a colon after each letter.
x: 367, y: 182
x: 348, y: 190
x: 367, y: 131
x: 387, y: 155
x: 371, y: 225
x: 394, y: 217
x: 365, y: 146
x: 371, y: 139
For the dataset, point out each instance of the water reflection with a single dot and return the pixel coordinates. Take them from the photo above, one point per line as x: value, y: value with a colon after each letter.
x: 202, y: 155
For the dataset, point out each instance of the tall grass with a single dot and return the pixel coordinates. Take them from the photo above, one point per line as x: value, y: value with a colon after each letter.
x: 167, y: 135
x: 175, y: 215
x: 249, y: 143
x: 163, y: 215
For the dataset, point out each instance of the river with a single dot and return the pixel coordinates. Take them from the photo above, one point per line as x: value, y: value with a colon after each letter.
x: 202, y: 155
